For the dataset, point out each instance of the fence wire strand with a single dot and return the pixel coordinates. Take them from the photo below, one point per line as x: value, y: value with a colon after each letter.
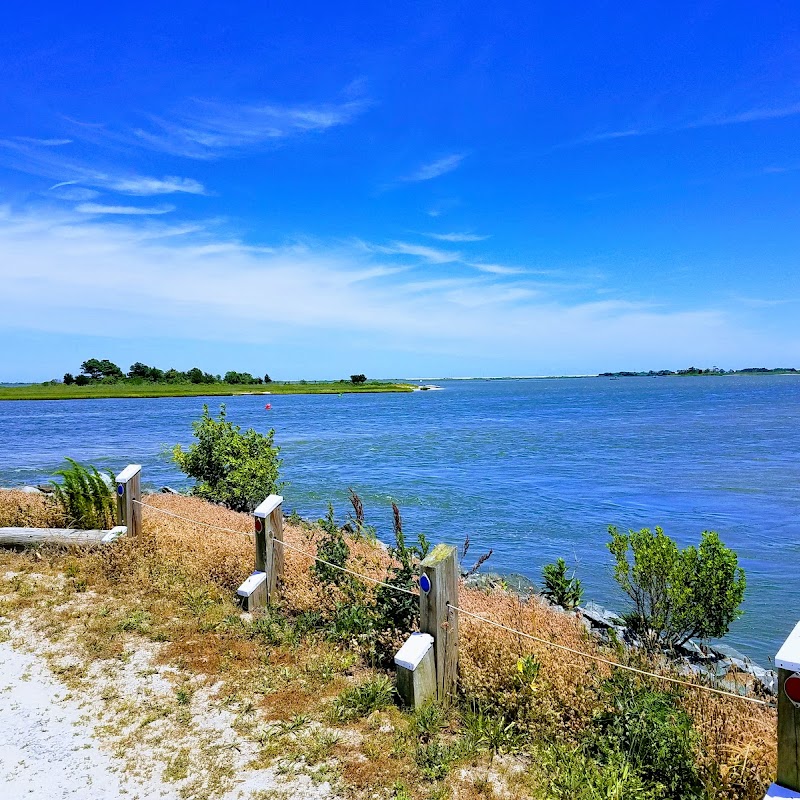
x: 285, y: 544
x: 608, y: 661
x: 485, y: 620
x: 193, y: 521
x: 344, y: 569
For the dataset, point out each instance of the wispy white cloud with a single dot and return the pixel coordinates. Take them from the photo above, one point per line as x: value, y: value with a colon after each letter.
x: 435, y: 168
x: 757, y: 114
x: 144, y: 186
x: 99, y: 208
x: 607, y: 135
x: 710, y: 120
x: 433, y: 255
x: 43, y: 142
x: 193, y: 285
x: 457, y: 237
x: 207, y: 130
x: 47, y: 163
x: 68, y: 190
x: 496, y: 269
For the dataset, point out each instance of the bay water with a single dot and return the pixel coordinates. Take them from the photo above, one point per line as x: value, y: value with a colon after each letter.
x: 534, y: 469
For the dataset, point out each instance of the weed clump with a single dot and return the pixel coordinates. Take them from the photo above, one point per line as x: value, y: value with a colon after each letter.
x: 362, y: 700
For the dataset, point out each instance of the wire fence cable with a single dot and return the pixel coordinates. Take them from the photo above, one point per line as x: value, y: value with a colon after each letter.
x: 609, y: 661
x: 348, y: 571
x: 285, y: 544
x: 485, y: 620
x: 193, y: 521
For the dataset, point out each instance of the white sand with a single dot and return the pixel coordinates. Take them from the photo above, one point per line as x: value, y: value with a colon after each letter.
x: 45, y: 751
x: 49, y: 747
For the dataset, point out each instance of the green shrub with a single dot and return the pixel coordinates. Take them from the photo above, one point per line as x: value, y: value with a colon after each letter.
x: 85, y: 496
x: 559, y: 588
x: 376, y: 627
x: 653, y: 734
x: 236, y: 469
x: 491, y: 731
x: 677, y: 594
x: 398, y: 613
x: 331, y: 547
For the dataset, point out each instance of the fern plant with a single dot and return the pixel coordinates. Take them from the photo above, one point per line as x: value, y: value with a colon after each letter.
x: 85, y: 496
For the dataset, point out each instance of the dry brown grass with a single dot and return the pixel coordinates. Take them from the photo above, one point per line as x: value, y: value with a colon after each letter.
x: 22, y: 510
x: 739, y: 739
x: 174, y: 586
x: 563, y: 695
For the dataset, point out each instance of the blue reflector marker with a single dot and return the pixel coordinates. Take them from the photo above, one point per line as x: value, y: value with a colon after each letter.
x: 425, y: 583
x: 120, y: 490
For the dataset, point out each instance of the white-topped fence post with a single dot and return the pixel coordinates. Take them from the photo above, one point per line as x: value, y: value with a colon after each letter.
x: 129, y: 496
x: 787, y: 663
x: 262, y: 587
x: 438, y: 584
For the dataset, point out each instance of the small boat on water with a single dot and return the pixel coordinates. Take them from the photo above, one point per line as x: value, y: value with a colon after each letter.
x: 430, y: 388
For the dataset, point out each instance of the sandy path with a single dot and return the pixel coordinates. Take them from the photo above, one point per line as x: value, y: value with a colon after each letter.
x: 48, y: 747
x: 45, y: 750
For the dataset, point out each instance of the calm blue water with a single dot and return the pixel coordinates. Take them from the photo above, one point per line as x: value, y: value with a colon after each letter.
x: 535, y: 469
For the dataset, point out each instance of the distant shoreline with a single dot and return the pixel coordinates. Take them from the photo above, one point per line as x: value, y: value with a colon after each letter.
x: 621, y: 374
x: 59, y: 391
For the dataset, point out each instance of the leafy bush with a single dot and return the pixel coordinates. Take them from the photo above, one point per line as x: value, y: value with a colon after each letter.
x: 677, y: 594
x: 654, y: 735
x: 399, y: 613
x: 233, y: 468
x: 332, y: 548
x: 85, y: 496
x: 569, y: 773
x: 560, y: 589
x: 361, y: 378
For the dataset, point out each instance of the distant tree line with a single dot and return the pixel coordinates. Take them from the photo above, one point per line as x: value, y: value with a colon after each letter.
x: 699, y: 371
x: 95, y: 370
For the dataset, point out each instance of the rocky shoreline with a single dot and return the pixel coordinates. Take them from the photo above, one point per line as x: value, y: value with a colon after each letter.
x: 719, y: 664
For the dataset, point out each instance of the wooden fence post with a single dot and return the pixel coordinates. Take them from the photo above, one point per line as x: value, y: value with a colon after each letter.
x: 787, y: 663
x: 268, y: 518
x: 129, y: 490
x: 438, y: 591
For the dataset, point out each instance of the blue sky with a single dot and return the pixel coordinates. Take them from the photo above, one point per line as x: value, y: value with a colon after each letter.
x: 412, y: 189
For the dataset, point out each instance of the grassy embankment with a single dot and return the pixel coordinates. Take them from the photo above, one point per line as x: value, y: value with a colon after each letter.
x: 302, y: 696
x: 59, y: 391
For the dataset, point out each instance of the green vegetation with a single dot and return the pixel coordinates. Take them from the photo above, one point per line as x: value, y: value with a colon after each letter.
x: 645, y: 728
x: 375, y: 621
x: 233, y: 468
x: 101, y: 378
x: 362, y: 700
x: 700, y: 371
x: 60, y: 391
x: 85, y: 496
x: 308, y: 696
x: 559, y: 588
x: 677, y: 594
